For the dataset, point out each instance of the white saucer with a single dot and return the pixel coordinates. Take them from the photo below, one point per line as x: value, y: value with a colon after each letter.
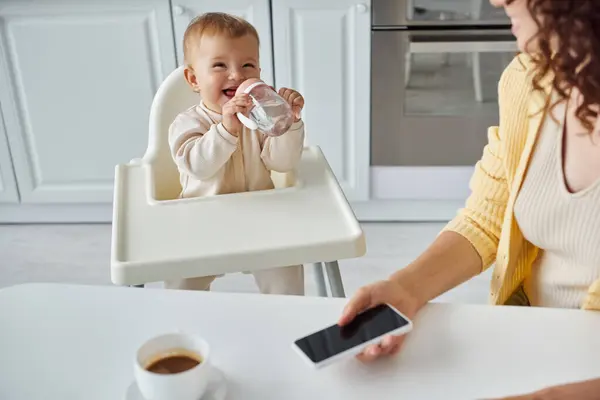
x: 216, y: 390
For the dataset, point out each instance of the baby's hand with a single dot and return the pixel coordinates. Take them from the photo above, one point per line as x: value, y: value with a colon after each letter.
x: 240, y: 103
x: 294, y: 99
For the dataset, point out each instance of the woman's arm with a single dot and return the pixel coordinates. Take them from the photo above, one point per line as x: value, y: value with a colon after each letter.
x: 448, y: 262
x: 469, y: 243
x: 586, y: 390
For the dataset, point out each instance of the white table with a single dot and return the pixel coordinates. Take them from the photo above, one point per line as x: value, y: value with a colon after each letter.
x: 77, y: 342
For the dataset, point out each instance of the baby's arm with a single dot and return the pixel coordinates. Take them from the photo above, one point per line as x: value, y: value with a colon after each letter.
x: 283, y: 153
x: 200, y: 149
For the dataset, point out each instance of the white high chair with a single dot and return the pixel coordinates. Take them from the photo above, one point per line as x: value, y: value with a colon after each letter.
x: 156, y: 236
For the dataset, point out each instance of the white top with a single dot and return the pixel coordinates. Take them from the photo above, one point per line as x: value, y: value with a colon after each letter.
x: 565, y: 226
x: 174, y: 239
x: 78, y: 342
x: 211, y: 161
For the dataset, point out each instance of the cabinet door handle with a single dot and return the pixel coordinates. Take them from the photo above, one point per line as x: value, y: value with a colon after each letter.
x: 178, y: 10
x: 361, y: 8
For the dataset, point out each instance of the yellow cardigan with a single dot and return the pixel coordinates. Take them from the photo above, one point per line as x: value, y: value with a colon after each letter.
x: 488, y: 220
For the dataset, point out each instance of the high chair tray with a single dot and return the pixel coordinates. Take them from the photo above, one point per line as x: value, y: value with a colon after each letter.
x: 160, y: 240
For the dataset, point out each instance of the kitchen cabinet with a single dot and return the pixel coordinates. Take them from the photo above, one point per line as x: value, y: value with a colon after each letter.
x: 323, y: 49
x: 77, y: 80
x: 8, y: 185
x: 257, y: 12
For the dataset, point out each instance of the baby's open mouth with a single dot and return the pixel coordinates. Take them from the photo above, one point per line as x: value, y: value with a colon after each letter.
x: 230, y: 92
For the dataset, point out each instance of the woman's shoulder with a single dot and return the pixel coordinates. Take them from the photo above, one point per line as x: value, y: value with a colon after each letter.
x: 521, y: 63
x: 515, y: 95
x: 517, y: 77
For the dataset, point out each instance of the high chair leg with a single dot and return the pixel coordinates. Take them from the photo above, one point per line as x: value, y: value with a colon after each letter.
x: 320, y: 279
x: 332, y: 269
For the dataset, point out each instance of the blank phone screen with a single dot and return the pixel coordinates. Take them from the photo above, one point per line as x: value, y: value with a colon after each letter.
x: 334, y: 340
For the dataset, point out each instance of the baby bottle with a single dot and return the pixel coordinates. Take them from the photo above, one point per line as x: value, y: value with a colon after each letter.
x: 270, y: 113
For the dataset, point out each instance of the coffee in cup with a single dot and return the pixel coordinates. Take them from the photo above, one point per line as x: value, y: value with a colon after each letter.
x: 173, y: 362
x: 173, y: 366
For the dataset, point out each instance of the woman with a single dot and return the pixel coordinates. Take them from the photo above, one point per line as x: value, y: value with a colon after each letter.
x: 535, y: 202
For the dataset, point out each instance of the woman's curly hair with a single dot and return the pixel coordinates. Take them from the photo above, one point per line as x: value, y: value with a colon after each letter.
x: 569, y: 47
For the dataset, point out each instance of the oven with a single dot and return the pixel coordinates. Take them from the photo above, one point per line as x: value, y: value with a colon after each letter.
x: 435, y: 67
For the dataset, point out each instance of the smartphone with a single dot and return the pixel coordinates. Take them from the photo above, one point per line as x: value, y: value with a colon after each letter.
x: 335, y: 342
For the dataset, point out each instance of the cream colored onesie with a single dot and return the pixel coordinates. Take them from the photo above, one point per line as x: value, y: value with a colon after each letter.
x: 211, y: 161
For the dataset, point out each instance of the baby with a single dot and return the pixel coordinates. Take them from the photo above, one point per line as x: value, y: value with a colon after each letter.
x: 214, y: 152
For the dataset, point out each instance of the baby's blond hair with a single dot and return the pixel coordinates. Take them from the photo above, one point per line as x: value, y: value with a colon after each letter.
x: 214, y: 23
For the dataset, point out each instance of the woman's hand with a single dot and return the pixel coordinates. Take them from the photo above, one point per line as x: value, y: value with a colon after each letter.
x: 383, y: 292
x: 587, y: 390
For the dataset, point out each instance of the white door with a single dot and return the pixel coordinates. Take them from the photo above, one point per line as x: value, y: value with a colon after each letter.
x: 8, y: 184
x: 257, y: 12
x: 77, y: 80
x: 323, y: 49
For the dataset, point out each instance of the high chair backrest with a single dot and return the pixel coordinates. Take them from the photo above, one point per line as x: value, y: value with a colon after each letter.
x: 172, y: 97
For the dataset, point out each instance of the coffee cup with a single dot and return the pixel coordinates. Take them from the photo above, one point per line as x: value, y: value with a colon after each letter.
x: 173, y: 366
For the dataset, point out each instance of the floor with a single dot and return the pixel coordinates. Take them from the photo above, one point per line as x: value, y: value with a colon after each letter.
x: 81, y: 253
